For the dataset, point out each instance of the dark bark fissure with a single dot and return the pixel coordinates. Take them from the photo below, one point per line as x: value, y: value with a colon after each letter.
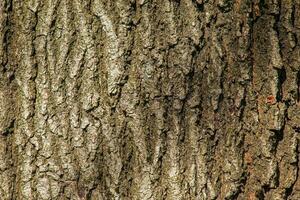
x: 298, y: 86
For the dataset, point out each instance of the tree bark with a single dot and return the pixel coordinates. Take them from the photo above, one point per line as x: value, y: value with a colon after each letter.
x: 149, y: 99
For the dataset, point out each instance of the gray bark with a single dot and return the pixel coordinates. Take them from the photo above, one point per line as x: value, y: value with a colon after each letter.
x: 149, y: 99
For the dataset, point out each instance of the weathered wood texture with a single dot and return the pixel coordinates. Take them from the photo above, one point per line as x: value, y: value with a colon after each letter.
x: 149, y: 99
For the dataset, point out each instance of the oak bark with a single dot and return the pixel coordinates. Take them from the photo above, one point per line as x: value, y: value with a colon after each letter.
x: 149, y: 99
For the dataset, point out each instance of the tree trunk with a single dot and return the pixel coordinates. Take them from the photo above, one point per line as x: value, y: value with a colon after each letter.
x: 149, y: 99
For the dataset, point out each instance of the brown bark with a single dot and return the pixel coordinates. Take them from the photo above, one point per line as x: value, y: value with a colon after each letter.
x: 149, y: 99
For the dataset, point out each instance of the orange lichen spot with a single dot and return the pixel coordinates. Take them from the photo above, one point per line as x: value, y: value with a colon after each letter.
x: 248, y: 158
x: 271, y: 99
x: 251, y: 171
x: 252, y: 196
x: 256, y: 10
x: 238, y: 4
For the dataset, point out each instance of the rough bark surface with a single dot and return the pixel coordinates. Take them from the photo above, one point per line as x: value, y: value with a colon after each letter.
x: 149, y: 99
